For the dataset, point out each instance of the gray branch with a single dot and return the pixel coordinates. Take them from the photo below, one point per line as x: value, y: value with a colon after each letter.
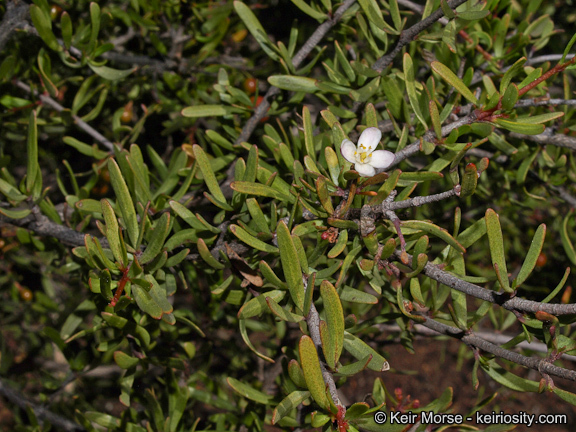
x: 515, y: 304
x: 548, y: 137
x: 543, y: 366
x: 14, y: 17
x: 48, y: 101
x: 408, y: 36
x: 39, y: 411
x: 495, y: 338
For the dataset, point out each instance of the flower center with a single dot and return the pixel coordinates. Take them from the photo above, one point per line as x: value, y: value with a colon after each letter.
x: 364, y: 155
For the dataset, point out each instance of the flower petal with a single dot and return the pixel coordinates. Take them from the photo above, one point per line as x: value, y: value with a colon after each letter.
x: 365, y: 170
x: 348, y: 150
x: 370, y: 139
x: 382, y: 159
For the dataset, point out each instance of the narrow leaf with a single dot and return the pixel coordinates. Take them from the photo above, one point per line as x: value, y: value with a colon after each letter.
x: 496, y: 243
x: 532, y: 255
x: 312, y: 373
x: 248, y: 391
x: 124, y: 201
x: 112, y: 231
x: 289, y: 403
x: 334, y: 320
x: 207, y: 173
x: 360, y: 350
x: 32, y: 150
x: 290, y: 264
x: 255, y: 28
x: 451, y: 78
x: 411, y: 88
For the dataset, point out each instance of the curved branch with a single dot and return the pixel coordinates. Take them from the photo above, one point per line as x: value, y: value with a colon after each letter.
x: 47, y: 100
x: 495, y: 338
x: 408, y: 36
x: 515, y: 304
x: 41, y: 413
x: 543, y: 366
x: 548, y: 137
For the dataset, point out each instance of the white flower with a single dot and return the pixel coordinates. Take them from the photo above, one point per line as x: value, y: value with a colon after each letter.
x: 366, y: 161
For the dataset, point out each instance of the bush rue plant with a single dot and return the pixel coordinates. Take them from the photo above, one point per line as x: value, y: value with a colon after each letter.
x: 213, y: 218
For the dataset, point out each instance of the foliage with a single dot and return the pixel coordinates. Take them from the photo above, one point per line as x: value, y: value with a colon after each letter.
x: 182, y: 231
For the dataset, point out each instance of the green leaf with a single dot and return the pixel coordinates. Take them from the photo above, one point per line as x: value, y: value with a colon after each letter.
x: 114, y: 320
x: 335, y: 322
x: 354, y: 368
x: 523, y: 128
x: 373, y: 13
x: 43, y: 25
x: 541, y: 118
x: 124, y: 201
x: 290, y: 264
x: 308, y: 133
x: 357, y: 296
x: 283, y: 313
x: 258, y: 305
x: 473, y: 15
x: 248, y: 391
x: 566, y: 242
x: 32, y: 152
x: 11, y: 192
x: 294, y: 83
x: 531, y: 256
x: 207, y: 173
x: 255, y: 28
x: 15, y: 213
x: 435, y: 118
x: 359, y: 349
x: 496, y: 243
x: 159, y: 294
x: 411, y: 88
x: 124, y: 360
x: 92, y: 151
x: 207, y: 255
x: 340, y: 245
x: 434, y: 230
x: 104, y: 420
x: 312, y: 373
x: 296, y: 374
x: 308, y: 10
x: 258, y: 244
x: 289, y: 403
x: 448, y: 12
x: 146, y: 302
x: 323, y: 195
x: 67, y: 29
x: 508, y: 379
x: 514, y: 70
x: 110, y: 73
x: 250, y: 188
x: 158, y: 237
x: 451, y: 78
x: 208, y: 111
x: 469, y: 181
x: 568, y: 48
x: 510, y: 97
x: 95, y: 26
x: 112, y: 231
x: 343, y: 61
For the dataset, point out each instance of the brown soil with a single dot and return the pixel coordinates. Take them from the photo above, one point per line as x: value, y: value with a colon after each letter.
x: 434, y: 366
